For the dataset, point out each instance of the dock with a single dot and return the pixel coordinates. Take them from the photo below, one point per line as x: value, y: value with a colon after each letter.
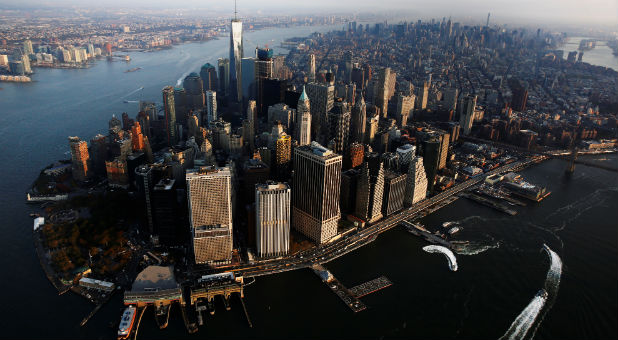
x: 489, y: 203
x: 344, y: 294
x: 372, y: 286
x: 417, y: 230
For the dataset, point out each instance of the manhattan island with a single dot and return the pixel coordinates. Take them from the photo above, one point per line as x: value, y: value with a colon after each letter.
x: 270, y: 163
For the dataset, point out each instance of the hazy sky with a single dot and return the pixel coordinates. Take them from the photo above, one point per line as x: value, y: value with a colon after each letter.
x: 563, y: 11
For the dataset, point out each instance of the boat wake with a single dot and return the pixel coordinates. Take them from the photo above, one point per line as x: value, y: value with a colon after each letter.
x: 132, y: 92
x: 452, y: 261
x: 474, y: 248
x: 534, y: 313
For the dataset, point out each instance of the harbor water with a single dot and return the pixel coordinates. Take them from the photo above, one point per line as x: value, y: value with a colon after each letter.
x: 500, y: 270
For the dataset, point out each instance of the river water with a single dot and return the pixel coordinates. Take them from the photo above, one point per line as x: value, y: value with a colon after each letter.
x: 481, y: 300
x: 601, y: 55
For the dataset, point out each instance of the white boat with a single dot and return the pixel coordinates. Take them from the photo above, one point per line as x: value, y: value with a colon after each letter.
x: 126, y: 322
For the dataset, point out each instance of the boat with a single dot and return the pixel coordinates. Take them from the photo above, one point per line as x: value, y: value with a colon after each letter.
x: 448, y: 224
x: 162, y: 315
x: 133, y: 69
x: 126, y: 322
x: 454, y: 230
x: 542, y: 294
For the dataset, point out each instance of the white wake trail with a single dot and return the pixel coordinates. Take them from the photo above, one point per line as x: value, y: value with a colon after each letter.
x: 527, y: 318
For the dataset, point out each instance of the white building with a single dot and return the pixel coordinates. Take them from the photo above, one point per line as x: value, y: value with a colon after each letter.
x: 416, y: 186
x: 272, y: 218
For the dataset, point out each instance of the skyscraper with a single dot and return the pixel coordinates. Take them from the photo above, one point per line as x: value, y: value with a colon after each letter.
x: 405, y: 152
x: 28, y: 50
x: 170, y: 115
x: 416, y: 185
x: 405, y: 105
x: 385, y: 89
x: 248, y: 78
x: 79, y: 159
x: 194, y: 89
x: 370, y: 189
x: 236, y: 55
x: 358, y: 120
x: 394, y: 192
x: 422, y: 96
x: 322, y: 98
x: 311, y: 68
x: 224, y: 76
x: 211, y: 107
x: 272, y: 219
x: 339, y: 127
x: 165, y: 211
x: 208, y: 73
x: 466, y: 113
x: 355, y: 155
x: 283, y: 155
x: 303, y: 119
x: 263, y: 69
x: 143, y: 181
x: 209, y: 193
x: 315, y: 198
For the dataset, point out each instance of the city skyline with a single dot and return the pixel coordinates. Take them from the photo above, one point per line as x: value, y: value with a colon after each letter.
x: 346, y: 153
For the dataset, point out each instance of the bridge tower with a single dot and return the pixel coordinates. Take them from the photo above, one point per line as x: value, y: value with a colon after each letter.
x: 571, y: 165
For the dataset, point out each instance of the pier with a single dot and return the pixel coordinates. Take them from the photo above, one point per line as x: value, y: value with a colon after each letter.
x: 349, y: 298
x: 489, y: 203
x: 372, y: 286
x: 417, y: 230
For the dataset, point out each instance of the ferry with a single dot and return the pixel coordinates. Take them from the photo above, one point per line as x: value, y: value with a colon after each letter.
x: 542, y: 294
x: 126, y: 322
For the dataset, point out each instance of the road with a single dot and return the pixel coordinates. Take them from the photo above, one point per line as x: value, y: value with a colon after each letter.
x: 330, y: 251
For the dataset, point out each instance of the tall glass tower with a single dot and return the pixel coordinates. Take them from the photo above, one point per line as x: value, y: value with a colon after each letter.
x: 236, y: 55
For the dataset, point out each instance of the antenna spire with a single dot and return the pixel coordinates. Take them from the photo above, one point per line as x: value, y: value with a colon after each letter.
x: 235, y: 12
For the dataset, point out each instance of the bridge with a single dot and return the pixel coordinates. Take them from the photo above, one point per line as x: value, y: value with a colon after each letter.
x: 570, y: 156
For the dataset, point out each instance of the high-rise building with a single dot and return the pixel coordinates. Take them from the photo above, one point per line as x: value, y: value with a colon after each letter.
x: 322, y: 98
x: 170, y: 115
x: 431, y: 159
x: 117, y: 172
x: 450, y: 98
x: 282, y: 113
x: 283, y: 155
x: 315, y: 198
x: 466, y: 113
x: 371, y: 129
x: 263, y: 69
x: 405, y: 152
x: 347, y: 201
x: 358, y: 120
x: 194, y: 89
x: 354, y: 156
x: 394, y: 192
x: 311, y: 68
x: 422, y: 96
x: 272, y: 216
x: 211, y: 107
x: 520, y: 97
x: 385, y: 89
x: 224, y: 76
x: 79, y: 159
x: 303, y: 119
x: 209, y: 191
x: 236, y: 55
x: 98, y: 153
x: 28, y: 50
x: 339, y: 127
x: 165, y: 211
x: 137, y: 138
x: 210, y: 81
x: 416, y: 183
x: 248, y: 78
x: 144, y: 184
x: 405, y: 106
x: 370, y: 189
